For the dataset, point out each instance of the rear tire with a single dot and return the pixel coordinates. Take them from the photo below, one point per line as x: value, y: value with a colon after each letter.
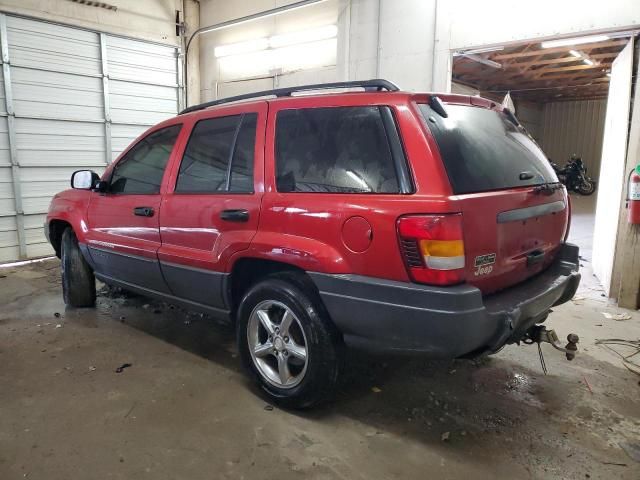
x: 281, y: 321
x: 78, y: 281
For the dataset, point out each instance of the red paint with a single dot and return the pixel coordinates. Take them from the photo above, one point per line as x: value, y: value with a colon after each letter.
x: 307, y: 229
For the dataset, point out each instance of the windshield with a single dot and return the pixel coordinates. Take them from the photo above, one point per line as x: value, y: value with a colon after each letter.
x: 483, y: 150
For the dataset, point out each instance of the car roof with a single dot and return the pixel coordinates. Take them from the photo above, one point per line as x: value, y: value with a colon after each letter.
x: 379, y: 87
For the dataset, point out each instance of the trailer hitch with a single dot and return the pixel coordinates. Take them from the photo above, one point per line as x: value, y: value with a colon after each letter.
x: 542, y: 335
x: 539, y: 334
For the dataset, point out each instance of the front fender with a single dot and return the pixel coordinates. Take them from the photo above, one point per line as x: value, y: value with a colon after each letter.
x: 70, y: 206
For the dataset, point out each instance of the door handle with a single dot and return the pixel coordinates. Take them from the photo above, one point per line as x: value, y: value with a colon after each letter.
x: 535, y: 257
x: 240, y: 215
x: 143, y: 211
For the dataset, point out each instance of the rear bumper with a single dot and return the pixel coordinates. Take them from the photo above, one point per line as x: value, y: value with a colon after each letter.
x: 443, y: 322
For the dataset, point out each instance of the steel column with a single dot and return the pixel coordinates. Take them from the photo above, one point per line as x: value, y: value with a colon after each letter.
x: 105, y: 94
x: 11, y: 128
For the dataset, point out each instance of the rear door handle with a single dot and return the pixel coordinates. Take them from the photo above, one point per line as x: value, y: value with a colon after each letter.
x: 535, y: 257
x: 143, y: 211
x: 240, y: 215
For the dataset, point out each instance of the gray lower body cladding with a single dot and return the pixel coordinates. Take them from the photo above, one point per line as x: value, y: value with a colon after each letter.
x: 443, y: 322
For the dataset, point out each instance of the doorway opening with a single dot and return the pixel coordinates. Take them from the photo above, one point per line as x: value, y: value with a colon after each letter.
x: 560, y: 91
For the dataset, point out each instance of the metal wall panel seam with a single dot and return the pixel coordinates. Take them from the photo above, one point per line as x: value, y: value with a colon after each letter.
x: 179, y: 73
x: 11, y: 128
x: 105, y: 96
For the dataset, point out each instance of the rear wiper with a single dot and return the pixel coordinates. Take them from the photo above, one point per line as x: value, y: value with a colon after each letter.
x: 547, y: 188
x: 437, y: 106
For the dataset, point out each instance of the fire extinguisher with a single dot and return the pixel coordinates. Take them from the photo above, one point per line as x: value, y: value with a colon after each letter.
x: 633, y: 197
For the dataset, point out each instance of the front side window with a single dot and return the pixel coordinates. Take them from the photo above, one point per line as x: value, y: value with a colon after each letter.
x: 140, y: 171
x: 335, y: 150
x: 219, y: 156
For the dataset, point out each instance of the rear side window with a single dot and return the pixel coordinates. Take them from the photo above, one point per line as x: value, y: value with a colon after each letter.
x: 484, y: 150
x: 141, y: 169
x: 339, y: 150
x: 219, y: 156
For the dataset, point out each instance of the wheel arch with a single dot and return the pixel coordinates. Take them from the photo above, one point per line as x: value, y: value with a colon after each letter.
x: 56, y: 228
x: 247, y: 271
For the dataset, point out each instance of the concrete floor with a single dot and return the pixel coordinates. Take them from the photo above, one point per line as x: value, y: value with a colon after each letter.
x: 184, y: 409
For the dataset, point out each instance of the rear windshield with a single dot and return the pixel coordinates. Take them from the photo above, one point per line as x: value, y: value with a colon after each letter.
x: 483, y: 150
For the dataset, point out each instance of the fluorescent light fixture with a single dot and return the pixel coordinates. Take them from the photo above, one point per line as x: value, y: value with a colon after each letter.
x: 304, y: 36
x: 609, y: 75
x: 249, y: 46
x: 564, y: 42
x: 484, y: 61
x: 575, y: 53
x: 588, y: 61
x: 484, y: 50
x: 326, y: 32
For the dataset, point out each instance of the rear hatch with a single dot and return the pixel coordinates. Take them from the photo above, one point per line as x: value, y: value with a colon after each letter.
x: 515, y: 214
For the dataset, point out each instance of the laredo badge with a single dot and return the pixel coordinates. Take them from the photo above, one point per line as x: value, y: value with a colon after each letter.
x: 484, y: 264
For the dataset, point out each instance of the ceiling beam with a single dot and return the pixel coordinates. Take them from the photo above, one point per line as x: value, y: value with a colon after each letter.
x: 546, y: 51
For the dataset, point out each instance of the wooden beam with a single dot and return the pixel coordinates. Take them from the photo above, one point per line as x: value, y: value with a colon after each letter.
x: 546, y: 51
x: 553, y: 61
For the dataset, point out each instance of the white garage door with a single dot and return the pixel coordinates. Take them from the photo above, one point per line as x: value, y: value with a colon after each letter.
x: 69, y: 99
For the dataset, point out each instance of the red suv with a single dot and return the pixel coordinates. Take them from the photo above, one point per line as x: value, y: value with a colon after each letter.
x: 387, y: 220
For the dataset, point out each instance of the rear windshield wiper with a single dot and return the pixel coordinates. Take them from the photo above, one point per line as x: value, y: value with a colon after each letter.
x: 437, y: 106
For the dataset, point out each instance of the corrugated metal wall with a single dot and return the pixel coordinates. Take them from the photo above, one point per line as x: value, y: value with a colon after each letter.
x: 575, y: 127
x: 70, y: 99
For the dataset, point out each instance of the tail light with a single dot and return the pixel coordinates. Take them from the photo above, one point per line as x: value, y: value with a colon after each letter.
x: 433, y: 248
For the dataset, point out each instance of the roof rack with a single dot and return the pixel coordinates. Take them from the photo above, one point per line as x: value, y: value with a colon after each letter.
x: 368, y: 85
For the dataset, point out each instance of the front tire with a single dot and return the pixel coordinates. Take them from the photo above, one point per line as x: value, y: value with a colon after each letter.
x: 78, y: 281
x: 287, y: 342
x: 586, y: 187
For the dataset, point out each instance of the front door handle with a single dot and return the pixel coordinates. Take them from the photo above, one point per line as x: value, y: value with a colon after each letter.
x: 235, y: 215
x: 143, y: 211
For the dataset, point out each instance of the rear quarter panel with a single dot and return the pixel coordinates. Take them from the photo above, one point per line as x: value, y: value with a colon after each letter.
x: 306, y: 229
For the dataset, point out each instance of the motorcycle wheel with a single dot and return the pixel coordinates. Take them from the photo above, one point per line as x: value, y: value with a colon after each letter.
x: 587, y: 187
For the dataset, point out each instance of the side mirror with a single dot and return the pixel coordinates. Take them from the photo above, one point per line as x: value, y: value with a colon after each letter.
x: 84, y: 179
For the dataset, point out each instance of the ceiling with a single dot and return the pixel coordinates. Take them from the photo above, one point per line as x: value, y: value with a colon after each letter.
x: 538, y: 74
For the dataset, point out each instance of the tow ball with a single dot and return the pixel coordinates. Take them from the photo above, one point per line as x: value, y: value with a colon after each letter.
x: 539, y: 334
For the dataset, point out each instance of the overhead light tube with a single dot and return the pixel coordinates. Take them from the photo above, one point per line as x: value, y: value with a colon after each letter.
x: 564, y: 42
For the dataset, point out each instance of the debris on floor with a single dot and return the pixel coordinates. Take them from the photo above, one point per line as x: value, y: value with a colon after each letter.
x: 121, y: 368
x: 617, y: 316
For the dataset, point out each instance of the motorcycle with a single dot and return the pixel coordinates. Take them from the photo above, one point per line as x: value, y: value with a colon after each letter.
x: 574, y: 176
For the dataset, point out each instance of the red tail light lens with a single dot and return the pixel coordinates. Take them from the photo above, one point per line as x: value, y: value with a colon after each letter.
x: 433, y: 248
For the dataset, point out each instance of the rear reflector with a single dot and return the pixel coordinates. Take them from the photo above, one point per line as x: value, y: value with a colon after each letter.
x: 433, y: 248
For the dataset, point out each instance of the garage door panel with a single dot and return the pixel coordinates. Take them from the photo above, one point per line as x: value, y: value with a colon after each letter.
x: 40, y: 250
x: 65, y: 158
x: 53, y: 47
x: 8, y: 238
x: 5, y: 159
x: 60, y: 125
x: 138, y: 117
x: 57, y: 174
x: 141, y: 62
x: 47, y: 141
x: 3, y: 104
x: 7, y: 205
x: 123, y: 135
x: 56, y: 95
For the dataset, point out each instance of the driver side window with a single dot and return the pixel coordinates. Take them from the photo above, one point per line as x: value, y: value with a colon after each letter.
x: 140, y: 171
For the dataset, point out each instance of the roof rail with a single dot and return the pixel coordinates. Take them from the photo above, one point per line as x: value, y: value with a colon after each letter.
x: 368, y: 85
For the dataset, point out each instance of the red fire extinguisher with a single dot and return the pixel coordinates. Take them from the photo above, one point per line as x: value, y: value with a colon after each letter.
x: 633, y: 197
